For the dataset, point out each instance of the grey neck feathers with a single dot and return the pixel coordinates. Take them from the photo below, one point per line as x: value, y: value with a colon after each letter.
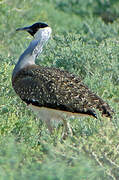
x: 34, y: 49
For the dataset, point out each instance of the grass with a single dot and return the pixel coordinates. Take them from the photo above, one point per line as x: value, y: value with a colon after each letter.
x: 82, y: 43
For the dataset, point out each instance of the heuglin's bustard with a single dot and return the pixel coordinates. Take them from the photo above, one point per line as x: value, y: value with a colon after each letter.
x: 52, y: 92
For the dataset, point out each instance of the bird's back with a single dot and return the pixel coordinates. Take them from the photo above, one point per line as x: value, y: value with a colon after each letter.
x: 57, y: 89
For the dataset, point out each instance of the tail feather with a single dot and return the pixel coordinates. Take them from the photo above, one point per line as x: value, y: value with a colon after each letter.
x: 106, y: 110
x: 102, y: 106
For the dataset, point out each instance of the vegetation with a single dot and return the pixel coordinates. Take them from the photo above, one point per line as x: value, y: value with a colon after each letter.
x: 85, y: 44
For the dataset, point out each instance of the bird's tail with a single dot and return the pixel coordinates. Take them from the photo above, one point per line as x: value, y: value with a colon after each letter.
x: 102, y: 106
x: 105, y: 110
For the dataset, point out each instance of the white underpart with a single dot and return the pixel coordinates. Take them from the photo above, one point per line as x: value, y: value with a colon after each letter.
x: 53, y: 117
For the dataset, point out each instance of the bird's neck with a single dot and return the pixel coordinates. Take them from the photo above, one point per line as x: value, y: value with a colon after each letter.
x: 34, y: 49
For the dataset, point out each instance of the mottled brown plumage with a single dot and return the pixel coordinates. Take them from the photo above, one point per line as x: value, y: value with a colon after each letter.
x: 57, y: 89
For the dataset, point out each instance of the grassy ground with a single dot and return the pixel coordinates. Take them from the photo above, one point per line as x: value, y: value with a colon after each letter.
x: 85, y: 41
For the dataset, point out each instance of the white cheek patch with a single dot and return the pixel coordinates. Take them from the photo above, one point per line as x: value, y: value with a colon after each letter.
x: 40, y: 39
x: 43, y: 33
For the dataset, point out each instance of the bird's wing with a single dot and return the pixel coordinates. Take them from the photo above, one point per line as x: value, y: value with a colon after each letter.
x: 60, y: 90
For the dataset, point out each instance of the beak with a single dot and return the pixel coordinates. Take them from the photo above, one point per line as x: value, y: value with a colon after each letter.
x: 23, y: 29
x: 28, y: 29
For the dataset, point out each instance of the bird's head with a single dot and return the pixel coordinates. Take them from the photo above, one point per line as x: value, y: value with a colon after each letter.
x: 38, y: 29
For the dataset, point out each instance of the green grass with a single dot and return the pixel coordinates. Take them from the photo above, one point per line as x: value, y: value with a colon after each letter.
x: 85, y: 45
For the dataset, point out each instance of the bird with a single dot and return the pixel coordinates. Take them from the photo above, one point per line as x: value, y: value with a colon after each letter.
x: 52, y: 93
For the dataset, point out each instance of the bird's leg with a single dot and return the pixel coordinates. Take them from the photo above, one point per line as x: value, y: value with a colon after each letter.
x: 67, y: 130
x: 49, y: 125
